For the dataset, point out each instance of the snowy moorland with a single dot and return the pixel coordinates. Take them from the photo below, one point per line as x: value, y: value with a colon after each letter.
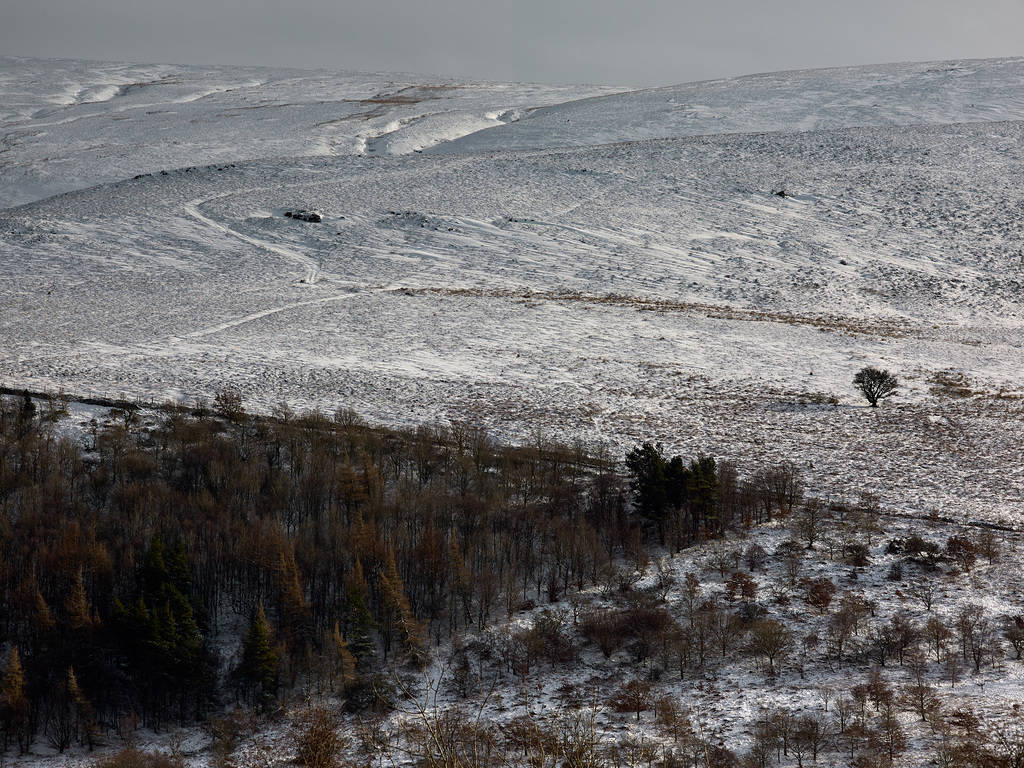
x: 596, y: 265
x: 705, y: 265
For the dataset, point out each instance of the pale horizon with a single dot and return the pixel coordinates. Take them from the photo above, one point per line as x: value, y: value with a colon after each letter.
x: 650, y: 43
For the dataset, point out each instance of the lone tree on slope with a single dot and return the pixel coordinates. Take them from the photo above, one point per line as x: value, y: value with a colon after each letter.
x: 875, y: 384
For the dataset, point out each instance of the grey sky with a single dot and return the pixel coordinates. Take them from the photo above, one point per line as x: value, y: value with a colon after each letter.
x: 643, y: 42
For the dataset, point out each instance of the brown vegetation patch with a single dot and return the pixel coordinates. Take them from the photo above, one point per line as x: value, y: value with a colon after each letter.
x: 850, y: 326
x: 951, y: 384
x: 413, y: 94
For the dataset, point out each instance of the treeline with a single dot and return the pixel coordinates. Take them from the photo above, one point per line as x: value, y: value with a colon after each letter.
x: 130, y: 557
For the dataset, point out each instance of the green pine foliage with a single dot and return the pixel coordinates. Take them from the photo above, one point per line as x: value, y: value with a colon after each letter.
x: 161, y: 640
x: 259, y: 668
x: 647, y: 466
x: 680, y: 499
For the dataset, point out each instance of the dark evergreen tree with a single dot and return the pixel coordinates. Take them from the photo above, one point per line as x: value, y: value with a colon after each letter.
x: 259, y: 669
x: 162, y: 642
x: 702, y: 492
x: 646, y: 465
x: 26, y: 415
x: 359, y: 623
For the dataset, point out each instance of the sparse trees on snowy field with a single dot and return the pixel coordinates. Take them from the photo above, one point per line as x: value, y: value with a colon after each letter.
x: 919, y: 695
x: 1006, y: 742
x: 672, y: 718
x: 779, y: 489
x: 783, y: 723
x: 690, y: 597
x: 606, y: 628
x: 765, y: 741
x: 792, y: 553
x: 979, y: 637
x: 724, y: 557
x: 921, y: 551
x: 906, y: 634
x: 962, y: 551
x: 952, y: 666
x: 881, y: 644
x: 740, y: 585
x: 936, y: 633
x: 727, y: 629
x: 755, y: 557
x: 891, y: 738
x: 987, y: 545
x: 842, y: 626
x: 924, y: 590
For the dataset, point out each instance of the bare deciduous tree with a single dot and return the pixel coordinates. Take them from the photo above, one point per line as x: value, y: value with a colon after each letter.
x: 771, y: 640
x: 875, y: 384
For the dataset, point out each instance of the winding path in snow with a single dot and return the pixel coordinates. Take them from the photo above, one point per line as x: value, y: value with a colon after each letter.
x: 312, y: 269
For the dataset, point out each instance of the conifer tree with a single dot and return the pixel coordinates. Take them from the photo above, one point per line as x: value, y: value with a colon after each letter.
x: 398, y: 613
x: 43, y: 624
x: 85, y: 713
x: 259, y: 661
x: 80, y: 617
x: 161, y: 638
x: 176, y: 564
x: 346, y: 662
x: 14, y: 705
x: 702, y: 491
x: 646, y: 465
x: 28, y: 408
x: 294, y: 615
x: 26, y: 415
x: 359, y: 623
x: 154, y: 576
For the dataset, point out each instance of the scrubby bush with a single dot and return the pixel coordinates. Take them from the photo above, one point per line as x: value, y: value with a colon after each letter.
x: 317, y: 742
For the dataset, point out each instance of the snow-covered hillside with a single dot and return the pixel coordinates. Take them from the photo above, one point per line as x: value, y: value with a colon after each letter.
x: 935, y: 93
x: 609, y: 267
x: 72, y: 124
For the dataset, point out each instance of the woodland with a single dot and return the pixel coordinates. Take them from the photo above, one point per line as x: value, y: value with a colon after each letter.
x: 373, y: 589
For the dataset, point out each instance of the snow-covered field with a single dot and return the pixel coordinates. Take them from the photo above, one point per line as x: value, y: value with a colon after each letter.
x: 596, y: 265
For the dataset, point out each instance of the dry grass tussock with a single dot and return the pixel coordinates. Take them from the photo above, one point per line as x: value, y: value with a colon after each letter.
x: 133, y: 757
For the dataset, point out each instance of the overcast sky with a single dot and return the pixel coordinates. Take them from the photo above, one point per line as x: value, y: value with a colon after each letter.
x: 613, y: 42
